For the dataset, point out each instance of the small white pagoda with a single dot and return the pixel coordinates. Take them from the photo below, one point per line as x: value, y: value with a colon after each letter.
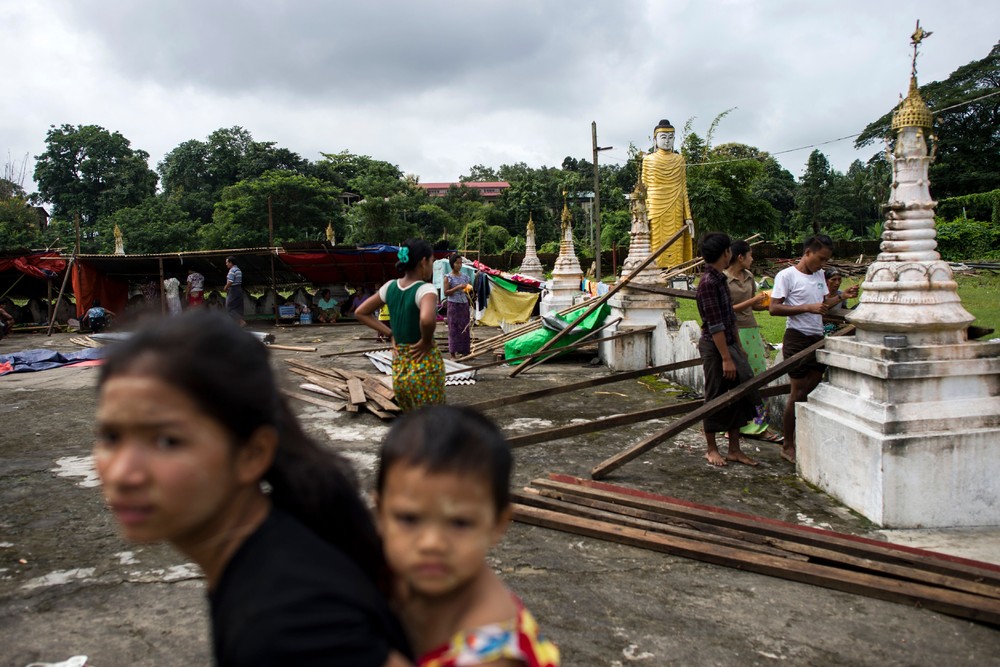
x: 907, y: 429
x: 531, y: 266
x: 564, y: 289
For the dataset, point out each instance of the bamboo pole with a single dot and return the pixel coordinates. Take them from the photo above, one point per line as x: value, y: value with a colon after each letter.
x: 55, y: 309
x: 574, y: 346
x: 605, y: 467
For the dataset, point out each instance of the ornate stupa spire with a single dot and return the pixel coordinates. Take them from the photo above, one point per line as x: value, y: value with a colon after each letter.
x: 639, y: 247
x: 566, y: 274
x: 566, y: 262
x: 331, y: 237
x: 531, y: 266
x: 908, y: 289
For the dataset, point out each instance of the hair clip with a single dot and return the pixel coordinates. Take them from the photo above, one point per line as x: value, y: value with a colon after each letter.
x: 403, y: 254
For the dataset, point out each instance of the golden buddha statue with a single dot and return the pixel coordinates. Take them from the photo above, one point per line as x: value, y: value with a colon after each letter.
x: 667, y: 205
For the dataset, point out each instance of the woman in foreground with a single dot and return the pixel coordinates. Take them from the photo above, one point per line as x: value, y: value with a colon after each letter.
x: 196, y: 447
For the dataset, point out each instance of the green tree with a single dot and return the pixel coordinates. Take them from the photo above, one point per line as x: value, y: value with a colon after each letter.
x: 480, y: 174
x: 360, y: 174
x: 156, y: 225
x: 19, y: 227
x: 968, y: 151
x: 91, y: 172
x: 195, y: 172
x: 725, y: 190
x: 814, y: 186
x: 302, y: 207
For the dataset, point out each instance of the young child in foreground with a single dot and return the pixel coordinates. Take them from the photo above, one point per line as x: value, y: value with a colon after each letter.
x: 442, y: 501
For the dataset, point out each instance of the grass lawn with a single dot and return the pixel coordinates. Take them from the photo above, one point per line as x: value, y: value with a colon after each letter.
x: 980, y: 296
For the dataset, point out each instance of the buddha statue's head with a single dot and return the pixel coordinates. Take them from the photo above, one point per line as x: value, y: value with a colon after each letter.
x: 663, y: 135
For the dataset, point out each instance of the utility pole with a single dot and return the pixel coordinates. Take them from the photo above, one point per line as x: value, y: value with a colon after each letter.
x: 597, y: 203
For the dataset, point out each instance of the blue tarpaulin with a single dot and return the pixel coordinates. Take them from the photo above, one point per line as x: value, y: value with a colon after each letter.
x: 40, y: 360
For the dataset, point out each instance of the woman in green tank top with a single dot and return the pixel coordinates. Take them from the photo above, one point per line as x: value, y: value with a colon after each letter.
x: 417, y: 366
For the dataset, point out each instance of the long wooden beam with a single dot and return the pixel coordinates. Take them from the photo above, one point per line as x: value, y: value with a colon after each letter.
x: 606, y: 467
x: 607, y: 512
x: 955, y: 603
x: 855, y: 545
x: 584, y: 384
x: 572, y: 503
x: 604, y: 424
x: 588, y: 337
x: 602, y: 299
x: 667, y: 291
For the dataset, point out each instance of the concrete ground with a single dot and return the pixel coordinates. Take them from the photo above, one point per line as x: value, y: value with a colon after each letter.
x: 69, y: 585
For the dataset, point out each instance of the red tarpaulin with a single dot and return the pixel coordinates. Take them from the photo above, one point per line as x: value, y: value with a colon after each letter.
x: 90, y: 284
x: 46, y: 266
x: 372, y: 265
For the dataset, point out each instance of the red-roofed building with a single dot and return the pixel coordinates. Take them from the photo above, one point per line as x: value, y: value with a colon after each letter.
x: 490, y: 190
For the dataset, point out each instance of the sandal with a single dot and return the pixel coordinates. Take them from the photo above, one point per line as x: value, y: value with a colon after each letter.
x: 768, y: 436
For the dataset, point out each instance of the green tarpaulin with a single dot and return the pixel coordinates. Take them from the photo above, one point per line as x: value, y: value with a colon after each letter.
x: 534, y: 340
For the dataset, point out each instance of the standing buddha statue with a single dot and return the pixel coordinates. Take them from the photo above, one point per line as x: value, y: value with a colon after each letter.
x: 664, y: 176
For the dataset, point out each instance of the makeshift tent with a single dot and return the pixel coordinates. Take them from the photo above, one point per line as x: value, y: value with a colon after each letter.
x: 28, y: 274
x: 366, y: 265
x: 107, y: 277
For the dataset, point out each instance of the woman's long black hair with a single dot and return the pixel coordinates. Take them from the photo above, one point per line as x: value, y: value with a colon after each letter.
x: 227, y: 373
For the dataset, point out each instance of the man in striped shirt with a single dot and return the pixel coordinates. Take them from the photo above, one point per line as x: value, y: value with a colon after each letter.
x: 234, y: 291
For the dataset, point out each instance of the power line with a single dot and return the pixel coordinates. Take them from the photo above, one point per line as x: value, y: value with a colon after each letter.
x: 823, y: 143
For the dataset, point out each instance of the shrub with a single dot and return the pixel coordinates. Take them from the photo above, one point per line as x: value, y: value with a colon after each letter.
x: 968, y: 240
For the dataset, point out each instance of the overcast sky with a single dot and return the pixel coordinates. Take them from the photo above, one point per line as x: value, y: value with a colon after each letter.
x: 436, y: 87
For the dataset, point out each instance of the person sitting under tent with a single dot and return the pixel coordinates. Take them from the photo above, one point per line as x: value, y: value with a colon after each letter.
x: 97, y: 317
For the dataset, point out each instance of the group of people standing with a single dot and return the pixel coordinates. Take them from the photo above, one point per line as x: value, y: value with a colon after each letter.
x: 732, y: 349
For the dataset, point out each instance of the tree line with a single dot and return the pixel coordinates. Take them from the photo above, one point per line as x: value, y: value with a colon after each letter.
x: 219, y: 192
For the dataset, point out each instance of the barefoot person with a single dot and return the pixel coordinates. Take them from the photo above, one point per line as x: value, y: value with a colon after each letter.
x: 746, y: 299
x: 723, y: 360
x: 800, y: 294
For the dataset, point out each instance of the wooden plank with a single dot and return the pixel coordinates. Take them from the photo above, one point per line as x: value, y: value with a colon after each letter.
x: 601, y: 514
x: 292, y: 348
x: 361, y: 351
x: 954, y: 603
x: 603, y: 298
x: 615, y: 421
x: 842, y: 542
x: 584, y: 384
x: 589, y: 337
x: 573, y: 346
x: 375, y: 410
x: 604, y: 468
x: 481, y: 347
x: 356, y: 392
x: 735, y: 537
x: 306, y: 398
x: 667, y: 291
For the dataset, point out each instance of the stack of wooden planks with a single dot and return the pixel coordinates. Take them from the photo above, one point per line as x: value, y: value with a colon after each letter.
x: 947, y: 584
x: 353, y: 390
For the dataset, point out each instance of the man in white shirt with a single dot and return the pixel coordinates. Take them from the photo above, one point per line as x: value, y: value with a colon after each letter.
x: 800, y: 294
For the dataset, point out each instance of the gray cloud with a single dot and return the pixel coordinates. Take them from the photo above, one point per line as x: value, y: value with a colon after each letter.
x: 437, y: 86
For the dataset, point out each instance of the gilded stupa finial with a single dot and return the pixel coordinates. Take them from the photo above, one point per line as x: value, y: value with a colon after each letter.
x: 565, y: 212
x: 913, y: 111
x: 531, y: 223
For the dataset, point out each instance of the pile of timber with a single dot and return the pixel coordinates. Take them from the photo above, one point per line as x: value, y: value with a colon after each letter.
x: 351, y: 390
x: 947, y: 584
